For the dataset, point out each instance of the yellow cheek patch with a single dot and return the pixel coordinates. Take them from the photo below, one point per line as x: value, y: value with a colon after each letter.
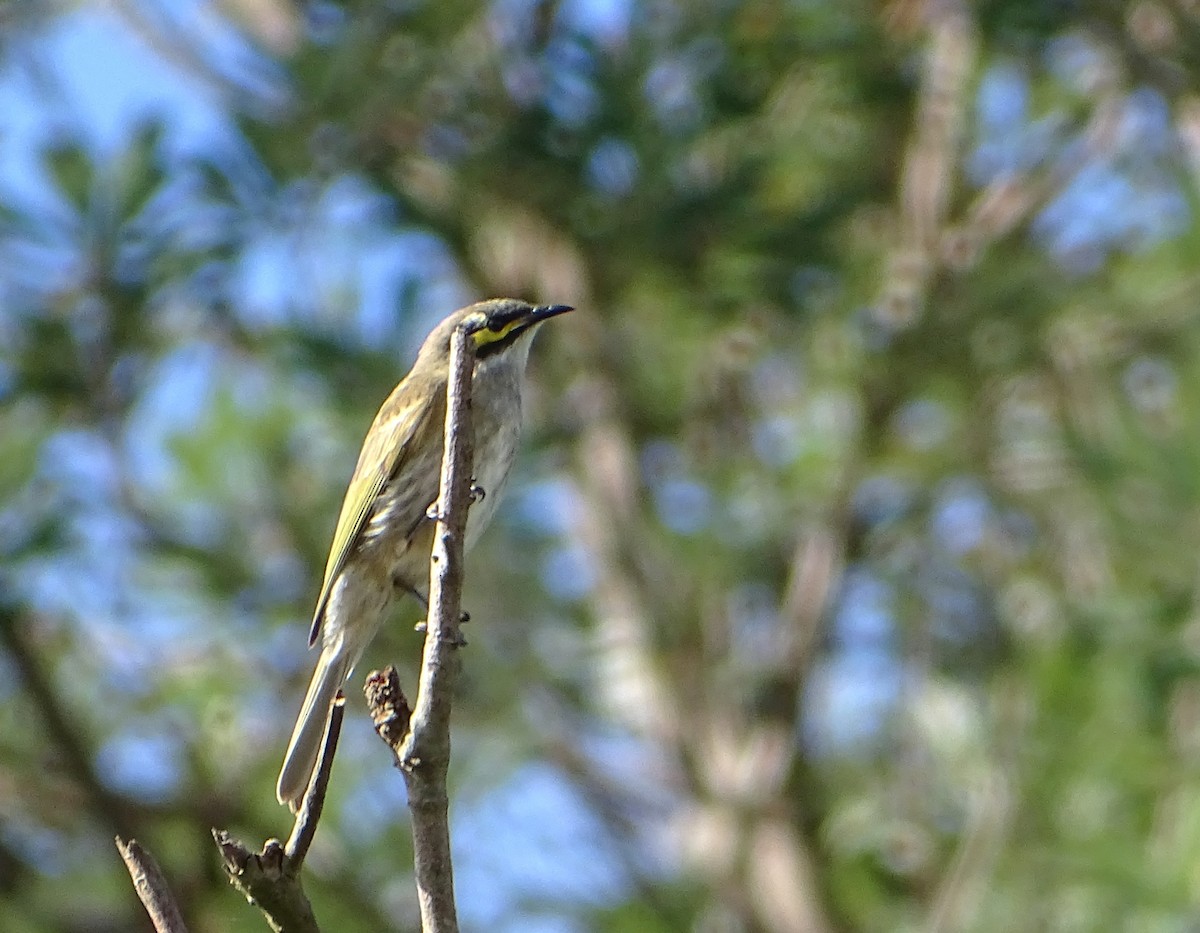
x: 486, y: 335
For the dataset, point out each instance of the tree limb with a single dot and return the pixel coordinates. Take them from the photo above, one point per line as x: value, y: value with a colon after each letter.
x: 422, y: 749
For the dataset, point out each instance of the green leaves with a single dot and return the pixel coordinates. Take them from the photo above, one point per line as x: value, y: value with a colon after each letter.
x: 72, y: 173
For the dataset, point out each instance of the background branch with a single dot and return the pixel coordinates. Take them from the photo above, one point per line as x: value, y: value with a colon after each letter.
x: 65, y: 728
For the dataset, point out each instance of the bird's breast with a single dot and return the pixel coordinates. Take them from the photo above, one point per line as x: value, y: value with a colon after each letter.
x: 497, y: 431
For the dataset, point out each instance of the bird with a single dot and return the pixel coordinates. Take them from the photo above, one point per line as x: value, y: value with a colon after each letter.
x: 384, y: 534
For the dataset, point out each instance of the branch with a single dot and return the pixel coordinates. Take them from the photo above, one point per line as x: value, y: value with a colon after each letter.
x: 421, y: 743
x: 66, y: 727
x: 151, y: 887
x: 270, y: 879
x: 305, y: 827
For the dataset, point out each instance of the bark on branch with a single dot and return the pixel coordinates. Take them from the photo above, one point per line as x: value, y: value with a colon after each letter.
x: 151, y: 886
x: 423, y: 749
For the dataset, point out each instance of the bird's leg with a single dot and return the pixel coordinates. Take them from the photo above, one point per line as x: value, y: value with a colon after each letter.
x: 404, y: 588
x: 407, y: 589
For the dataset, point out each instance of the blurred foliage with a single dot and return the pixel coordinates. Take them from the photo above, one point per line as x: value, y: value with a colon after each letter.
x: 849, y: 582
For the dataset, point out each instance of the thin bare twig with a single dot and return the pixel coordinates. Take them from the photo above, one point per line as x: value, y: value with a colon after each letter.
x: 425, y: 755
x: 423, y: 748
x: 305, y: 827
x: 151, y: 887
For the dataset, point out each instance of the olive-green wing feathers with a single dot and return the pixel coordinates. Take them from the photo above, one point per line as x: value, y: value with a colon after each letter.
x: 382, y: 457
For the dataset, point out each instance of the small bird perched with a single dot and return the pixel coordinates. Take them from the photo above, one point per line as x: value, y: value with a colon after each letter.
x: 384, y: 533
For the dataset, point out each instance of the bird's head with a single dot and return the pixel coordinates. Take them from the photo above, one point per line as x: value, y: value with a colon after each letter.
x: 501, y: 323
x: 498, y: 327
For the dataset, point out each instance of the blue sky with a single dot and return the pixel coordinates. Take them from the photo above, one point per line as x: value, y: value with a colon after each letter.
x: 88, y: 74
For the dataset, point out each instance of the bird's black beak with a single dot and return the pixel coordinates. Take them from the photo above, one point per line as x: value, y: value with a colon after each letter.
x: 545, y: 312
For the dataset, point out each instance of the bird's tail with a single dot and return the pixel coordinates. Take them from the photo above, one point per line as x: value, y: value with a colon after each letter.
x: 333, y: 667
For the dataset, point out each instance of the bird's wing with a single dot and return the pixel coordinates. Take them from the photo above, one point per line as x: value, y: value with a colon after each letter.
x: 382, y: 456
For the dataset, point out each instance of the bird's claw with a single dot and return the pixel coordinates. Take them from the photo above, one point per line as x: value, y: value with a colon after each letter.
x: 476, y: 492
x: 456, y: 639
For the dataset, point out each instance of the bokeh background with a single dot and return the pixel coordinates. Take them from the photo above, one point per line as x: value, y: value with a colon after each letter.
x: 849, y: 579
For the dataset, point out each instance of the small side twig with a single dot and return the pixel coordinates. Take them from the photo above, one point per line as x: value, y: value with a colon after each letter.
x: 421, y: 742
x: 389, y: 708
x: 151, y: 886
x: 305, y: 827
x: 270, y: 879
